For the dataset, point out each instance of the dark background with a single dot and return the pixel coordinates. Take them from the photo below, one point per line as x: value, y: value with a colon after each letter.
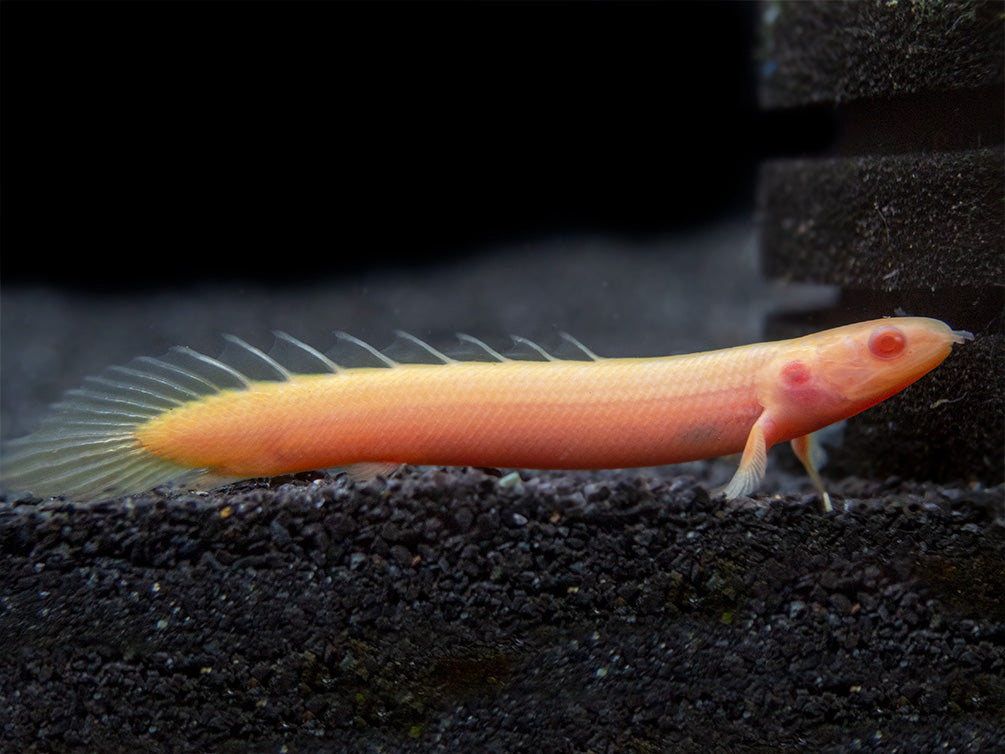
x: 174, y: 171
x: 159, y: 143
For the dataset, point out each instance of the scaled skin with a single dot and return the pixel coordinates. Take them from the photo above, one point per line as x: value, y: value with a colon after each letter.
x: 607, y: 413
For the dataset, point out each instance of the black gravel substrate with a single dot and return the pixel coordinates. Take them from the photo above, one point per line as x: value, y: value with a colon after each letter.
x: 461, y: 610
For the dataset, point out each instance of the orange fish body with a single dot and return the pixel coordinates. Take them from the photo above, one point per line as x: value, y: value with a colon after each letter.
x: 519, y: 414
x: 170, y: 418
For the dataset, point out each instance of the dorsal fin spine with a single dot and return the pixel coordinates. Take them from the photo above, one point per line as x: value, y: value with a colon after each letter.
x: 425, y: 346
x: 259, y: 354
x: 580, y: 346
x: 343, y: 335
x: 186, y: 351
x: 485, y: 347
x: 534, y: 346
x: 330, y: 365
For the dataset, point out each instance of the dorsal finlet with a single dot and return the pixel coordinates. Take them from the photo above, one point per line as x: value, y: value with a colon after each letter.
x: 580, y: 346
x: 531, y: 344
x: 343, y: 335
x: 208, y: 360
x: 313, y: 352
x: 259, y: 354
x: 425, y: 346
x: 485, y: 347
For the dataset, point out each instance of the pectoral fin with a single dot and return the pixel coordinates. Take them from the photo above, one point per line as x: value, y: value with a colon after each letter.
x: 808, y: 450
x: 752, y: 464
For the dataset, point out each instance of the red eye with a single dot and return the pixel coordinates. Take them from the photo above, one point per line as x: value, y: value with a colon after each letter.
x: 887, y: 342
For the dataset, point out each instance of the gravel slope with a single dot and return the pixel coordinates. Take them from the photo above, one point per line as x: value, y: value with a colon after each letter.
x: 451, y: 610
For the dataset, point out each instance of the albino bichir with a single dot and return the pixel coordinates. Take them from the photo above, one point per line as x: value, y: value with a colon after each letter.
x: 190, y: 418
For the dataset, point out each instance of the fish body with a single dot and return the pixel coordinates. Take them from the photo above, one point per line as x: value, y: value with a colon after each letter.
x: 518, y: 414
x: 187, y: 416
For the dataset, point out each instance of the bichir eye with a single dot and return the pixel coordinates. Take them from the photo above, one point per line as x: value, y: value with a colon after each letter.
x: 887, y: 342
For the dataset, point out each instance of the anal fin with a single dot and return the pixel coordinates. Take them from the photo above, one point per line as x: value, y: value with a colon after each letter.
x: 367, y: 470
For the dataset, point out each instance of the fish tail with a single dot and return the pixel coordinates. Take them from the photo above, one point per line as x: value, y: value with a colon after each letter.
x: 85, y: 461
x: 88, y: 447
x: 86, y: 450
